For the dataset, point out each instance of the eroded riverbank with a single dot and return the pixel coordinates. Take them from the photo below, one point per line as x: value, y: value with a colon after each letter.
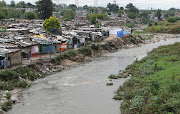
x: 82, y: 89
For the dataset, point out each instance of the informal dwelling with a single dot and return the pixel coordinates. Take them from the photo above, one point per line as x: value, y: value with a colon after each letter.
x: 10, y: 57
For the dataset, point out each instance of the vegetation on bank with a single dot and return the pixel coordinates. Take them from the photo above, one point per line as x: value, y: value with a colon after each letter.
x: 95, y: 49
x: 165, y: 27
x: 155, y: 83
x: 18, y: 78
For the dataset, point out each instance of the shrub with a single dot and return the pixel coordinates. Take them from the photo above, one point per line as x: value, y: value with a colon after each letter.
x: 30, y: 15
x: 22, y: 84
x: 8, y: 75
x: 6, y: 106
x: 95, y: 47
x: 8, y: 96
x: 171, y: 19
x: 113, y: 76
x: 109, y: 84
x: 85, y: 50
x: 70, y: 54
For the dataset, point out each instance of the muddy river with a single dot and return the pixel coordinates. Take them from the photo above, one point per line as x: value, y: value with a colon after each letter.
x: 82, y: 89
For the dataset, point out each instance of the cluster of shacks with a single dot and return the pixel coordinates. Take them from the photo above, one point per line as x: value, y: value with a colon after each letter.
x: 24, y: 39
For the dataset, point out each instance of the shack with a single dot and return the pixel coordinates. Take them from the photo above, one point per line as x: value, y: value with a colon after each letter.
x: 47, y: 47
x: 10, y: 57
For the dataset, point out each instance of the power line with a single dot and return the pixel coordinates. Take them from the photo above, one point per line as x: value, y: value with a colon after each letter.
x: 95, y: 3
x: 77, y: 3
x: 114, y: 1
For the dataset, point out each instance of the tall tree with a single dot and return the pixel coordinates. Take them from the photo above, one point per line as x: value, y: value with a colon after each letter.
x: 131, y: 8
x: 12, y: 3
x: 158, y: 14
x: 22, y: 4
x: 44, y: 8
x: 72, y: 6
x: 29, y: 5
x: 113, y: 7
x: 69, y: 14
x: 2, y: 3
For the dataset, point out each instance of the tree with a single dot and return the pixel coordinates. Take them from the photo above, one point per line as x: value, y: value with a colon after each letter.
x: 132, y: 15
x: 51, y: 23
x: 173, y: 9
x: 113, y: 8
x: 30, y: 15
x: 2, y: 15
x: 121, y: 8
x: 131, y: 8
x: 144, y: 14
x: 171, y: 19
x: 22, y: 4
x: 72, y: 6
x: 12, y: 3
x: 94, y: 17
x: 85, y: 7
x: 44, y: 8
x: 119, y: 13
x: 69, y: 14
x: 29, y: 5
x: 158, y: 14
x: 2, y: 3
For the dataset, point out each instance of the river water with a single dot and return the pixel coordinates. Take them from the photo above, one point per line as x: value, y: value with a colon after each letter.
x: 82, y: 89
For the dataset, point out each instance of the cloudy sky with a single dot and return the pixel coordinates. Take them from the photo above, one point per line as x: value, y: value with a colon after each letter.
x: 142, y: 4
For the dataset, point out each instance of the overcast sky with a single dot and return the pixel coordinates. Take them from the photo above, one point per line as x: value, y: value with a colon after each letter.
x: 142, y: 4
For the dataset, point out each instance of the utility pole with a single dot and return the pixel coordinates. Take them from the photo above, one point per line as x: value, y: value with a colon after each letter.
x: 77, y: 3
x: 95, y: 3
x: 114, y: 1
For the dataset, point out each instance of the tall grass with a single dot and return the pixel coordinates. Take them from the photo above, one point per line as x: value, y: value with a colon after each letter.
x: 155, y: 83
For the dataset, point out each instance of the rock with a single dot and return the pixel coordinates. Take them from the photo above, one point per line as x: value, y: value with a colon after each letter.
x: 14, y: 99
x: 1, y: 111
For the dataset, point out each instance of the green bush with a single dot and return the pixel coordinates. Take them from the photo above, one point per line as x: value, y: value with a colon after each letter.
x: 171, y: 19
x: 30, y: 15
x: 85, y: 50
x: 8, y: 75
x: 8, y: 96
x: 22, y: 84
x: 113, y: 76
x: 6, y: 106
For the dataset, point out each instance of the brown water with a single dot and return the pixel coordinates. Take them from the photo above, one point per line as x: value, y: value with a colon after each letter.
x: 82, y: 89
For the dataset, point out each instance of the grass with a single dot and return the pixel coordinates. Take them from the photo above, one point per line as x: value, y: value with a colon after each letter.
x: 164, y: 27
x: 155, y: 83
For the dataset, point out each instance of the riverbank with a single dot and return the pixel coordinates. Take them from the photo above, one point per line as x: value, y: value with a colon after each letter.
x: 25, y: 75
x: 154, y: 85
x: 164, y: 27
